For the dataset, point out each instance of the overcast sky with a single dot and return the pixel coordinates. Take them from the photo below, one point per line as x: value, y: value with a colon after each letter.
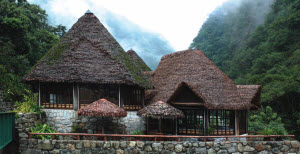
x: 177, y: 20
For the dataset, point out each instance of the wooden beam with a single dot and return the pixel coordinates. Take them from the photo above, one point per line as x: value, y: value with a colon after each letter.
x: 188, y: 104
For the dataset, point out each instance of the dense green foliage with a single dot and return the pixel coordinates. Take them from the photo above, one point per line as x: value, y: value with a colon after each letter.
x: 29, y: 104
x: 266, y: 122
x: 25, y: 37
x: 42, y: 128
x: 266, y: 53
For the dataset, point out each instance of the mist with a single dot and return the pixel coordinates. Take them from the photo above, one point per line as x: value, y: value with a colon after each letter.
x: 150, y: 46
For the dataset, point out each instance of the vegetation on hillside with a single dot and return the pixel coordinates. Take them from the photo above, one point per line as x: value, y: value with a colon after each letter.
x: 266, y: 53
x: 25, y: 38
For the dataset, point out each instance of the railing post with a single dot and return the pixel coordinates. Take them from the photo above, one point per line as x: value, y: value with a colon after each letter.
x: 249, y: 138
x: 29, y: 136
x: 155, y: 139
x: 179, y: 139
x: 226, y: 138
x: 204, y: 139
x: 78, y: 137
x: 271, y: 138
x: 129, y: 138
x: 105, y: 138
x: 52, y: 137
x: 291, y: 138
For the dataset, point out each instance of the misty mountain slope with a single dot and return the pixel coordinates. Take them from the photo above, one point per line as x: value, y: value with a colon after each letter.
x: 150, y: 46
x: 266, y: 54
x: 228, y: 27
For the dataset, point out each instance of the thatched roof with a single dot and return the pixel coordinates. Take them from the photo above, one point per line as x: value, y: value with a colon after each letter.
x: 193, y: 69
x: 102, y: 108
x: 87, y: 53
x: 160, y: 110
x: 251, y: 95
x: 142, y: 66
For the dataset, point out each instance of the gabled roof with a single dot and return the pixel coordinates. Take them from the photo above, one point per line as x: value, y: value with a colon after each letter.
x: 194, y: 69
x: 251, y: 95
x: 87, y: 53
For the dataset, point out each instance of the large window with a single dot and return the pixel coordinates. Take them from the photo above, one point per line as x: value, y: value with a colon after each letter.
x: 57, y: 96
x: 92, y: 92
x: 132, y: 98
x: 243, y: 128
x: 192, y: 124
x: 221, y: 122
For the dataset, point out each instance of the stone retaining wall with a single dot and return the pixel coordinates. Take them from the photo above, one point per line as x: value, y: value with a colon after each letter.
x: 120, y: 147
x: 5, y: 106
x: 64, y: 120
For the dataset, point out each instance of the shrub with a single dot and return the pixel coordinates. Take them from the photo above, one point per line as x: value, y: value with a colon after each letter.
x: 29, y: 104
x: 137, y: 132
x: 42, y: 128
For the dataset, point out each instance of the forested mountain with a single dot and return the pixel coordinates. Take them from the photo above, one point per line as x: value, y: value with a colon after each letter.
x: 258, y: 42
x: 25, y: 38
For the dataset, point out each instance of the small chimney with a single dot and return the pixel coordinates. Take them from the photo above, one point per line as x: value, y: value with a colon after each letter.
x: 88, y: 12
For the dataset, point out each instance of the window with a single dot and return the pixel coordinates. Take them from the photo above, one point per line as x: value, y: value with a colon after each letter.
x: 242, y: 122
x: 57, y: 95
x: 221, y: 122
x: 91, y: 92
x: 53, y: 98
x: 132, y: 98
x: 192, y: 124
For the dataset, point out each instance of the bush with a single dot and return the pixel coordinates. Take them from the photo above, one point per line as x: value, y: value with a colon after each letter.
x: 42, y: 128
x: 266, y: 122
x: 29, y: 104
x: 137, y: 132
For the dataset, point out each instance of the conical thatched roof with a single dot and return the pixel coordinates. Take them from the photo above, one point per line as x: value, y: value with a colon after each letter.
x: 142, y: 66
x: 160, y: 110
x: 102, y: 108
x: 193, y: 69
x: 87, y: 53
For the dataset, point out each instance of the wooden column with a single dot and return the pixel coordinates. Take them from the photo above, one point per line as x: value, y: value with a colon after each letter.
x: 119, y: 96
x: 237, y: 123
x: 75, y: 96
x: 39, y: 101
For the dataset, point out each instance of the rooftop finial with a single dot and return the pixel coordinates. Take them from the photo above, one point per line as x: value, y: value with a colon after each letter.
x: 88, y: 11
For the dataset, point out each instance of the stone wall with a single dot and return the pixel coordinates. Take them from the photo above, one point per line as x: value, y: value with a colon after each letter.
x: 23, y: 124
x: 65, y: 120
x: 120, y: 147
x: 5, y: 106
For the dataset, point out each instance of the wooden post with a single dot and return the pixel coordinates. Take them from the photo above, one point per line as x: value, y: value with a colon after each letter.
x: 78, y: 137
x: 249, y: 138
x: 29, y: 136
x: 52, y: 137
x: 129, y: 138
x: 179, y: 139
x: 119, y: 96
x: 204, y: 139
x: 226, y: 138
x: 75, y: 96
x: 39, y: 94
x: 237, y: 122
x: 105, y: 138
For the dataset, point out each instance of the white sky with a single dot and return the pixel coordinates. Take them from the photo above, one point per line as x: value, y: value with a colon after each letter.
x: 177, y: 20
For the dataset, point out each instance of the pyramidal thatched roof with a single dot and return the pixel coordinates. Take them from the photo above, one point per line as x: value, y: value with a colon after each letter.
x: 102, y: 108
x: 142, y: 66
x: 160, y: 109
x: 193, y: 69
x: 87, y: 53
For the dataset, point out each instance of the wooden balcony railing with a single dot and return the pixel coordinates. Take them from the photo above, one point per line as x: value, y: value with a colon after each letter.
x: 160, y: 137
